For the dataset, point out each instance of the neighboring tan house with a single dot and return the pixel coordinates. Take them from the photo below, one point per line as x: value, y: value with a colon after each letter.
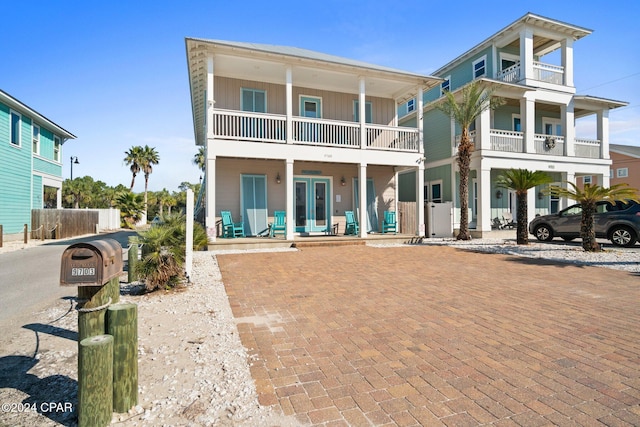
x: 289, y: 129
x: 626, y: 165
x: 30, y: 163
x: 530, y: 65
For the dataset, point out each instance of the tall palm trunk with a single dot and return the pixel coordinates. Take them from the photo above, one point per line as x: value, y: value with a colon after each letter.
x: 133, y: 180
x: 587, y: 228
x: 464, y: 161
x: 522, y: 234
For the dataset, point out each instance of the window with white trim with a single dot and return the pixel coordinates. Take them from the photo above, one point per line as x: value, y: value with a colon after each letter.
x: 610, y: 173
x: 587, y: 179
x: 15, y: 123
x: 36, y: 139
x: 445, y: 86
x: 516, y: 123
x: 254, y: 100
x: 411, y: 105
x: 479, y: 67
x: 56, y: 148
x: 622, y: 172
x: 433, y: 191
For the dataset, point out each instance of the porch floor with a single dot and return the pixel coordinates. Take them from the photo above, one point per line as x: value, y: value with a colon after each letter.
x: 240, y: 243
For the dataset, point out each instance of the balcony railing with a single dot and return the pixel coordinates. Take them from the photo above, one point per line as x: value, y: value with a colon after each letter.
x: 513, y: 142
x: 261, y: 127
x: 542, y: 72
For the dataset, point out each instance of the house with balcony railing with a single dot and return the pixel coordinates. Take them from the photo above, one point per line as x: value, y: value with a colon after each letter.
x: 529, y: 64
x: 311, y: 134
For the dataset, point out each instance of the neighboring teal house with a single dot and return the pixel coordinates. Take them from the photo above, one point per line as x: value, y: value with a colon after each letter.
x: 30, y: 163
x: 530, y: 65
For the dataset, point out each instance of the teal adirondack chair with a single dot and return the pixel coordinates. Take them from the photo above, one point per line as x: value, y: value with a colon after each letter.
x: 389, y: 222
x: 279, y: 224
x: 352, y: 226
x: 230, y: 228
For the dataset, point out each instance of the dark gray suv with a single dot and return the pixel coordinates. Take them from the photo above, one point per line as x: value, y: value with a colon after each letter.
x: 618, y: 222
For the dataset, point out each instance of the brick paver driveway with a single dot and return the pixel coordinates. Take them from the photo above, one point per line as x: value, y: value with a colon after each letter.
x: 437, y: 336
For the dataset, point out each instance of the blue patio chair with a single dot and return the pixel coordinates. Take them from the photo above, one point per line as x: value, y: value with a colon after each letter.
x: 352, y: 226
x: 230, y: 228
x: 389, y: 222
x: 279, y: 224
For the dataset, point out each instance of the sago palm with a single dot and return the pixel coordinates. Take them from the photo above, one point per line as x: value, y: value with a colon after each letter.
x: 588, y: 197
x: 475, y: 100
x: 520, y: 181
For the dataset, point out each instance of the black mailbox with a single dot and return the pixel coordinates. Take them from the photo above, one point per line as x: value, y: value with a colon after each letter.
x: 91, y: 263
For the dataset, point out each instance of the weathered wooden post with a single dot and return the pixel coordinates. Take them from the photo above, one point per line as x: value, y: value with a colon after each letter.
x: 95, y: 381
x: 26, y: 228
x: 132, y: 261
x: 122, y: 324
x: 1, y: 235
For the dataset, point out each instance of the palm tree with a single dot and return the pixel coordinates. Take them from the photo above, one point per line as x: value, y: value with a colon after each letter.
x: 474, y: 101
x: 130, y: 206
x: 149, y: 157
x: 520, y: 181
x: 78, y: 192
x: 588, y: 197
x: 200, y: 158
x: 132, y: 159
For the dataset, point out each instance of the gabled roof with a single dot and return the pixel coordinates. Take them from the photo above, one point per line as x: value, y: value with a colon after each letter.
x: 529, y: 18
x: 627, y: 150
x: 35, y: 116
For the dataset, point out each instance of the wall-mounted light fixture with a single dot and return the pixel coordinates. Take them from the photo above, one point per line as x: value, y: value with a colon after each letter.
x: 343, y: 182
x: 498, y: 194
x: 540, y: 195
x: 278, y: 178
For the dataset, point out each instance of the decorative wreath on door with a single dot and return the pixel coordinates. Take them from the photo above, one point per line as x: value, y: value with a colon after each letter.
x: 549, y: 143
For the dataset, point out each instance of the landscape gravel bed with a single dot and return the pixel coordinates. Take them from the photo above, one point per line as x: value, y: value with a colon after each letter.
x: 193, y: 369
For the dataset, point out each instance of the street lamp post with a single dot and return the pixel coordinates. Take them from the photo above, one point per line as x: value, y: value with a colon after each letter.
x: 74, y: 159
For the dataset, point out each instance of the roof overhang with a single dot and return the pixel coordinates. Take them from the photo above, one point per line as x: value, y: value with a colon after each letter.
x: 38, y: 118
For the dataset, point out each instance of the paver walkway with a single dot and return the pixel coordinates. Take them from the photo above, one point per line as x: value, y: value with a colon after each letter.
x: 437, y: 336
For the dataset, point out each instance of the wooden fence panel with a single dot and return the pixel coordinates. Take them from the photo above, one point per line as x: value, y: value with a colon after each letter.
x: 63, y: 223
x: 407, y: 217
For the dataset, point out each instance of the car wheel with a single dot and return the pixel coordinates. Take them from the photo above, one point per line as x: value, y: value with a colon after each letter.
x: 543, y: 233
x: 622, y: 236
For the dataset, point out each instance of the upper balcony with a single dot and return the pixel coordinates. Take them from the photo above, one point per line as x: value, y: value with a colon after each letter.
x: 552, y: 145
x: 272, y: 128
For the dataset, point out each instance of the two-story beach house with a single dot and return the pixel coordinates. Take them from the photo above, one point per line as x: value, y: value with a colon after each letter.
x: 30, y: 163
x: 311, y: 134
x: 530, y: 65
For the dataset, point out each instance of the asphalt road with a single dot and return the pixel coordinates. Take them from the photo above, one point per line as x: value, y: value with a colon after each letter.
x: 30, y: 278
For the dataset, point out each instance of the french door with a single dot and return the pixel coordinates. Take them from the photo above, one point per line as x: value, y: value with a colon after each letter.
x: 312, y: 204
x: 254, y: 204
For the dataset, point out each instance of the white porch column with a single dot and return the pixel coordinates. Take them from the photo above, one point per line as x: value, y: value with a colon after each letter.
x: 420, y: 113
x: 604, y: 180
x: 483, y: 220
x: 483, y: 130
x: 362, y: 115
x: 531, y: 205
x: 210, y: 194
x: 567, y: 60
x: 210, y: 98
x: 602, y: 123
x: 362, y: 191
x: 566, y: 177
x: 289, y: 108
x: 420, y: 226
x: 526, y: 54
x: 528, y: 122
x: 59, y: 197
x: 290, y: 205
x: 567, y: 119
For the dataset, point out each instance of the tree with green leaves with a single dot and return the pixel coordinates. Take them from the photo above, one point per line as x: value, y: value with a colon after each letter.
x: 148, y: 158
x: 78, y: 193
x: 131, y: 208
x: 475, y: 100
x: 200, y: 158
x: 520, y: 181
x: 588, y: 197
x: 132, y: 159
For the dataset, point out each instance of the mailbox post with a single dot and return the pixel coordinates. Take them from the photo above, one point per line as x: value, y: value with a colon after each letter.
x: 95, y: 268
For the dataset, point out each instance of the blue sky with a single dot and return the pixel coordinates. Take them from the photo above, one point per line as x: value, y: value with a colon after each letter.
x: 114, y: 73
